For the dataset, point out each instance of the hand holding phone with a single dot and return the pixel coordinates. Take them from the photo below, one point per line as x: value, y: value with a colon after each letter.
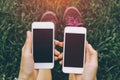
x: 74, y: 49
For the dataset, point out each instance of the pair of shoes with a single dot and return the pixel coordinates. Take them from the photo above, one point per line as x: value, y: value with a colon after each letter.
x: 71, y: 17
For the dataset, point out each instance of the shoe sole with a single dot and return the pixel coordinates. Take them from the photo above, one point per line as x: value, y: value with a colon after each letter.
x: 49, y: 16
x: 71, y: 12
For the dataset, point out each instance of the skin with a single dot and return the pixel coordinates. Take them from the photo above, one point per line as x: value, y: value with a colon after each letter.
x: 28, y: 72
x: 27, y: 64
x: 91, y: 64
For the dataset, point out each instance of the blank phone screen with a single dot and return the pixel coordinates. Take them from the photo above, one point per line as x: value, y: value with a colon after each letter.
x: 74, y: 50
x: 43, y: 45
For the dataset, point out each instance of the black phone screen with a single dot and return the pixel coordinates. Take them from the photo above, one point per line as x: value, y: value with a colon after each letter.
x: 74, y: 50
x: 43, y: 45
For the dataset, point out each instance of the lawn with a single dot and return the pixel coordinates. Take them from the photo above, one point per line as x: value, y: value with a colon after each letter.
x: 102, y: 20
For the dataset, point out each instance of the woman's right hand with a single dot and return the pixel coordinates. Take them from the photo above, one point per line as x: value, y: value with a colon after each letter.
x: 91, y: 62
x: 91, y: 65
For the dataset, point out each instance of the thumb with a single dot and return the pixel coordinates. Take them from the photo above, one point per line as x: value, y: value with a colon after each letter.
x: 92, y: 52
x: 93, y: 55
x: 28, y: 43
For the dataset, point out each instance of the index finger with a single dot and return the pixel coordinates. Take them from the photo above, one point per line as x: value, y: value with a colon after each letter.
x: 58, y: 43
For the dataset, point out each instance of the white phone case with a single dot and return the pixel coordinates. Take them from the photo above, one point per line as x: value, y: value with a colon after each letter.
x: 73, y: 30
x: 44, y: 25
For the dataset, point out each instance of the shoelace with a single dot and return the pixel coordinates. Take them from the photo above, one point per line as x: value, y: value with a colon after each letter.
x: 73, y: 22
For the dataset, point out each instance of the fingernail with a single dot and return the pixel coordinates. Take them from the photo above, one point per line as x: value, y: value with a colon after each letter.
x: 27, y: 34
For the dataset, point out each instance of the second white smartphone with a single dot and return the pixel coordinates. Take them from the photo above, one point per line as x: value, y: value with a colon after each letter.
x: 74, y: 50
x: 43, y: 45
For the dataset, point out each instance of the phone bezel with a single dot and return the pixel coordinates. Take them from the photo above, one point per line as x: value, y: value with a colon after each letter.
x: 74, y: 30
x: 43, y: 25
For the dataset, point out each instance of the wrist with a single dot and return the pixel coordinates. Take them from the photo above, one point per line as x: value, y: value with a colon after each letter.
x: 26, y: 76
x: 19, y: 79
x: 22, y: 75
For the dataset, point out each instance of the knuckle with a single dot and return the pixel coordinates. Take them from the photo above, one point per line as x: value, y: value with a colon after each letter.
x: 23, y: 49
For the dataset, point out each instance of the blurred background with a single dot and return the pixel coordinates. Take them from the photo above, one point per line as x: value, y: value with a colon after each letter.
x: 101, y: 18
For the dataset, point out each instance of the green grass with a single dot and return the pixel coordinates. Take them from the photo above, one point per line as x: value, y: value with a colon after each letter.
x: 101, y: 17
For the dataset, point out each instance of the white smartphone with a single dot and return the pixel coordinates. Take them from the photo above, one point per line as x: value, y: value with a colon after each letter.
x: 43, y: 45
x: 74, y: 50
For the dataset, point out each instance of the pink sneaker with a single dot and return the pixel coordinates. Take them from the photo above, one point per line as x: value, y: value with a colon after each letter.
x: 49, y: 16
x: 72, y: 17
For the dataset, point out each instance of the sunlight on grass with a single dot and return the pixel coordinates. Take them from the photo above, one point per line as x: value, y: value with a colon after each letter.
x: 101, y: 18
